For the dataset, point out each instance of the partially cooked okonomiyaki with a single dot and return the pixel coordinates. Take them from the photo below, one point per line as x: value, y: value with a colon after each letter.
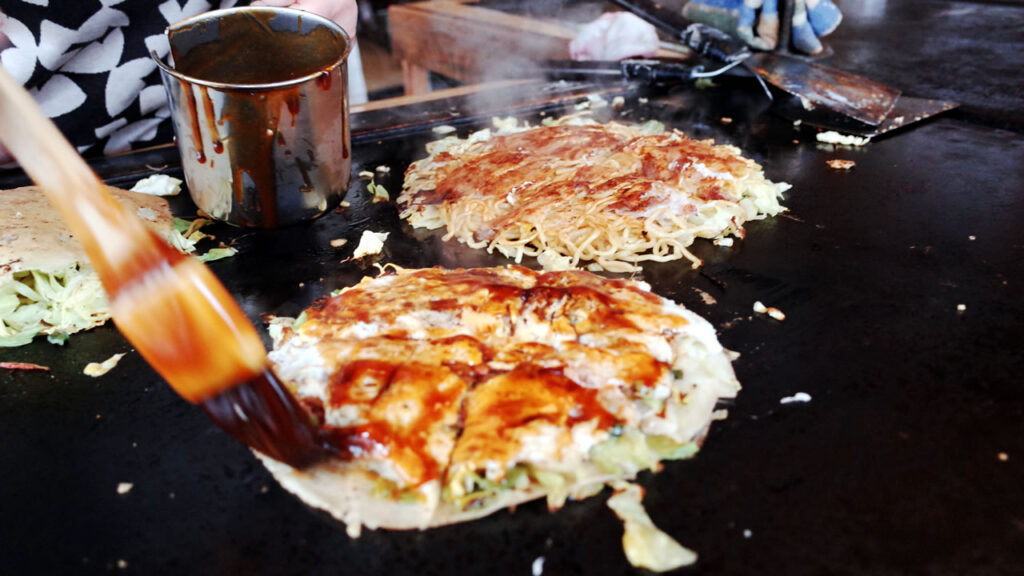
x: 574, y: 192
x: 450, y: 394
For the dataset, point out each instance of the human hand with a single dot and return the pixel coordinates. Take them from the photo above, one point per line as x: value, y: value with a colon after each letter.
x: 756, y: 22
x: 342, y: 12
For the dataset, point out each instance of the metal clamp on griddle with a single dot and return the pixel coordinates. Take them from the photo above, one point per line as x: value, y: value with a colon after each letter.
x: 649, y: 71
x: 713, y: 43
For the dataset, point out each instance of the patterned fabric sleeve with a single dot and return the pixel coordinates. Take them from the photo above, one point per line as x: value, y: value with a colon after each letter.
x: 88, y: 64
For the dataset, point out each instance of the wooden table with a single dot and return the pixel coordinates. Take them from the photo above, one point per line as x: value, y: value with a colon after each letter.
x: 472, y: 44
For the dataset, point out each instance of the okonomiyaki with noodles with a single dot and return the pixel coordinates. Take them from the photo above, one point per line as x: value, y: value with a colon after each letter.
x: 452, y: 394
x: 575, y: 192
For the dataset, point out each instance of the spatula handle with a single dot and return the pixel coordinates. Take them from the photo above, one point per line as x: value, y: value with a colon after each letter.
x: 705, y: 40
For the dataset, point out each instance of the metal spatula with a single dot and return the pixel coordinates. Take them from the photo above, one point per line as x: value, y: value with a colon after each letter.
x: 169, y: 306
x: 864, y: 100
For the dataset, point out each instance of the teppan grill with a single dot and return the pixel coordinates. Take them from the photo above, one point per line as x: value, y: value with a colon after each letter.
x: 900, y: 280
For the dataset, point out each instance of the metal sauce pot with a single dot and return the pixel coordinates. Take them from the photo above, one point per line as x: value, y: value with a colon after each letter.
x: 259, y: 102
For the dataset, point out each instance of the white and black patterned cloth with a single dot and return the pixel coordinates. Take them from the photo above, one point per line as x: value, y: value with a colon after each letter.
x: 88, y: 65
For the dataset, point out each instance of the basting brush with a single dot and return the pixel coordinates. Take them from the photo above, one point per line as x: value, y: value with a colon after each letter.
x: 170, y: 306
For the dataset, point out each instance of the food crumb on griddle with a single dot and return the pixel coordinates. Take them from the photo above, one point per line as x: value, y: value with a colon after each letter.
x: 770, y: 311
x: 124, y: 487
x: 537, y: 568
x: 707, y: 298
x: 370, y: 243
x: 839, y: 164
x: 1002, y: 457
x: 377, y: 192
x: 158, y: 185
x: 23, y: 366
x: 961, y: 307
x: 833, y: 137
x: 97, y: 369
x: 798, y: 397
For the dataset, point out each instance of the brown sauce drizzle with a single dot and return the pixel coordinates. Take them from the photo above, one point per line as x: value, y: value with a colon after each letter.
x: 359, y: 382
x: 324, y: 80
x: 502, y: 407
x: 501, y: 400
x: 211, y: 127
x: 521, y: 161
x: 582, y: 404
x: 197, y: 136
x: 406, y: 443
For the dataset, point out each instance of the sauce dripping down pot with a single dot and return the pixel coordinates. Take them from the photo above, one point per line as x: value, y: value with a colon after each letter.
x: 259, y: 102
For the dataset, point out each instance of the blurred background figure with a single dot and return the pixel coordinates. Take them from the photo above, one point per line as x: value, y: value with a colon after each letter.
x: 618, y: 34
x: 757, y: 22
x: 88, y: 65
x: 345, y: 13
x: 615, y: 36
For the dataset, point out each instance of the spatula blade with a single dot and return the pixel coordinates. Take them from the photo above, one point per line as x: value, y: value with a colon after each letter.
x: 817, y: 85
x: 908, y: 110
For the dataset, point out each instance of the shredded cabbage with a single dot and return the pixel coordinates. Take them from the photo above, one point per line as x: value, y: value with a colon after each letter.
x: 57, y: 304
x: 217, y: 254
x: 624, y: 454
x: 472, y: 489
x: 34, y: 303
x: 646, y: 546
x: 377, y: 192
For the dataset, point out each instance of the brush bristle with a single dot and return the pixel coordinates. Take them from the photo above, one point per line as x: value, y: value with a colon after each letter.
x: 264, y: 415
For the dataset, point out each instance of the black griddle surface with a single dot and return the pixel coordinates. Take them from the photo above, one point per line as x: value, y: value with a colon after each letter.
x: 909, y: 458
x: 893, y: 467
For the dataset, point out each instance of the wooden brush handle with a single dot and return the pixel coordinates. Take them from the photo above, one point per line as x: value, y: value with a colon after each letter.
x: 169, y: 306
